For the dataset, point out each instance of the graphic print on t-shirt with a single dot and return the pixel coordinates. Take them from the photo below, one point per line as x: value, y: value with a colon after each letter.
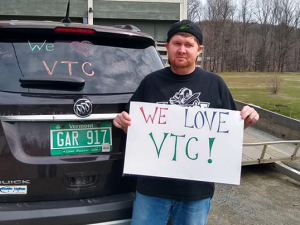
x: 185, y: 97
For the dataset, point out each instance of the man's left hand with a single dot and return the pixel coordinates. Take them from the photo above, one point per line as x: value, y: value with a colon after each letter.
x: 249, y: 115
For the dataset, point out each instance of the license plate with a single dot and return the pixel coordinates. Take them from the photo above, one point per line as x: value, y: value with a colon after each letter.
x: 80, y: 138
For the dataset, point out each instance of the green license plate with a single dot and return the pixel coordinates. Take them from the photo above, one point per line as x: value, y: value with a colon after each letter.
x: 80, y: 138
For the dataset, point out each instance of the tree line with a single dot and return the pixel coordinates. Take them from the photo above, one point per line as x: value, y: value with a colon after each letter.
x: 249, y: 35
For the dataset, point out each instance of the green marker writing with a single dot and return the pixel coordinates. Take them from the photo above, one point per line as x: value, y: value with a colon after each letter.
x: 211, y: 142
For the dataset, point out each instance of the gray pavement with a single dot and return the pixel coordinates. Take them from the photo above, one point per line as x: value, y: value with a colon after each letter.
x: 265, y: 197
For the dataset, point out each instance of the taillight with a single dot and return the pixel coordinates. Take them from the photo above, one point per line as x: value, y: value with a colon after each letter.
x: 74, y: 30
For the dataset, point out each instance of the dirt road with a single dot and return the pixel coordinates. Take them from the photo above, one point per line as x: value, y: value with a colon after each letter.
x: 265, y: 197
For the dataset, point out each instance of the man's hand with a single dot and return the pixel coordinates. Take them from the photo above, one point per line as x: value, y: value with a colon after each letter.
x: 122, y: 121
x: 249, y: 115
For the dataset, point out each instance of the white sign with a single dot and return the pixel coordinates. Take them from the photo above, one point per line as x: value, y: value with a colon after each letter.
x: 189, y: 143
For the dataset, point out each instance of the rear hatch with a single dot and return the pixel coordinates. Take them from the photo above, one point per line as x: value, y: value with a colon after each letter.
x: 46, y: 151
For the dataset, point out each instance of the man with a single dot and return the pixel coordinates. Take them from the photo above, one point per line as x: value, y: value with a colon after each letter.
x: 188, y: 202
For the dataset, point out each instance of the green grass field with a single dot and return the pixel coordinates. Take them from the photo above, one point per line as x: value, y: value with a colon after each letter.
x: 255, y: 88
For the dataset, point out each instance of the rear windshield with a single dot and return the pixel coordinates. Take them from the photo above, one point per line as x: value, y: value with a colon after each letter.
x: 105, y: 68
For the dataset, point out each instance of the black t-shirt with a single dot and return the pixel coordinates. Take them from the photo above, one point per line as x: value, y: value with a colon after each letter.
x: 199, y: 88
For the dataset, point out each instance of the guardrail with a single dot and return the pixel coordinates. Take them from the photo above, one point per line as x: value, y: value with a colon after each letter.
x: 265, y: 144
x: 281, y: 126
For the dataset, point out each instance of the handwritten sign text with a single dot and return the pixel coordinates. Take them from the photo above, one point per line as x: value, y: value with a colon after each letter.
x: 184, y: 142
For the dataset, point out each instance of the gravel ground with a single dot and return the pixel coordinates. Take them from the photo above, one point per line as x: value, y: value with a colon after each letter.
x: 265, y: 197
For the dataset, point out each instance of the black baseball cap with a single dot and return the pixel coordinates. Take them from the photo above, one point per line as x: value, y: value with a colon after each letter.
x: 186, y: 26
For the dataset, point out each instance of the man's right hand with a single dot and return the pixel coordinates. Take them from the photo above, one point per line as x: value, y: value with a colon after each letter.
x: 122, y: 121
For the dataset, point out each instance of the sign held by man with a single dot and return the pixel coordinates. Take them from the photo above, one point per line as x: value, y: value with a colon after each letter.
x: 189, y: 143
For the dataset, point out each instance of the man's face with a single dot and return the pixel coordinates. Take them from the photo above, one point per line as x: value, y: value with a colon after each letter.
x: 183, y: 51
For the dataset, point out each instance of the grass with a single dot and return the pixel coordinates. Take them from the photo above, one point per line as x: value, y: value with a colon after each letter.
x: 255, y: 88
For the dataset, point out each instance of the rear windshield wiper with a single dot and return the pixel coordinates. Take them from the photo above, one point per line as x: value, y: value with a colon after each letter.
x: 53, y: 83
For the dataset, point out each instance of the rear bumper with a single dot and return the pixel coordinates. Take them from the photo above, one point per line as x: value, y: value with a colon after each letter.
x: 119, y: 222
x: 115, y: 209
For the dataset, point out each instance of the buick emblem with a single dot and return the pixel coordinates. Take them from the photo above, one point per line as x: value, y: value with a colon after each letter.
x: 83, y: 107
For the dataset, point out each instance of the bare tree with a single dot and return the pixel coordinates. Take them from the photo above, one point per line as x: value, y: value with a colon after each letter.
x: 263, y: 14
x: 242, y: 49
x: 194, y: 10
x: 275, y: 84
x: 288, y: 18
x: 218, y: 33
x: 258, y: 35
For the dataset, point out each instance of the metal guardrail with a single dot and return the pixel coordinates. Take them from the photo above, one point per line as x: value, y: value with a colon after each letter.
x: 265, y: 144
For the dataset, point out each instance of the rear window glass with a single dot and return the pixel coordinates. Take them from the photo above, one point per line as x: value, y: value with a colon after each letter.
x: 105, y: 69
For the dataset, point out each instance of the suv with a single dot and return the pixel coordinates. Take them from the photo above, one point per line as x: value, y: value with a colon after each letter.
x: 61, y: 159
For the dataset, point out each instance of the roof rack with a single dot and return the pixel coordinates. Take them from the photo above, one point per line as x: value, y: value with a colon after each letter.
x: 128, y: 27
